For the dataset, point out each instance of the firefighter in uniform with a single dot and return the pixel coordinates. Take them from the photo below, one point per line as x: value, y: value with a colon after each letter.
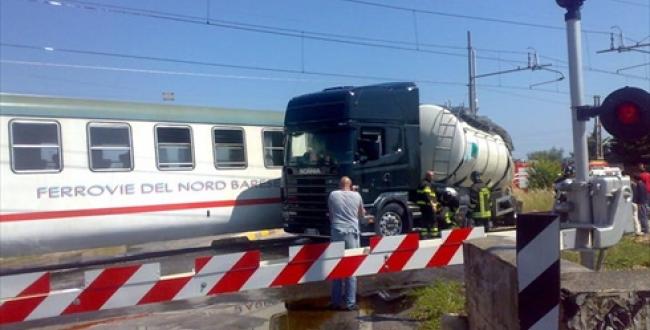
x: 451, y: 210
x: 480, y: 201
x: 426, y: 199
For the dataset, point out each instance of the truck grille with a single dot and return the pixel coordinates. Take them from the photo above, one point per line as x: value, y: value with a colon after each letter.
x: 307, y: 199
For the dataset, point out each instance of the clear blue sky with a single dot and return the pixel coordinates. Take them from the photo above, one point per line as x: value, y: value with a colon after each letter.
x: 168, y: 29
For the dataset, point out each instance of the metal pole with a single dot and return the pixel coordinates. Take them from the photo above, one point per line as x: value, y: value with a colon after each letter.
x: 471, y: 70
x: 582, y: 204
x: 476, y: 105
x: 598, y: 130
x: 576, y: 86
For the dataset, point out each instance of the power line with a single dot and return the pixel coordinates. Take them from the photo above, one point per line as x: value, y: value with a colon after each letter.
x: 633, y: 3
x: 261, y: 68
x: 152, y: 71
x: 231, y: 66
x: 491, y: 88
x: 527, y: 97
x: 592, y: 69
x: 295, y: 33
x: 286, y: 32
x: 477, y: 18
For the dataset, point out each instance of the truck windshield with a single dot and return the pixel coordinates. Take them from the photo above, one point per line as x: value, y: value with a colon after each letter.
x: 319, y: 148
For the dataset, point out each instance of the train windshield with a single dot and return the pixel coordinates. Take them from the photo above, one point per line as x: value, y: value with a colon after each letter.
x: 320, y: 147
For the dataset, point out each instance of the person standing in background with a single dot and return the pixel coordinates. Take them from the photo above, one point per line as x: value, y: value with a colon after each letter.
x: 640, y: 198
x: 345, y: 209
x: 635, y: 207
x: 645, y: 177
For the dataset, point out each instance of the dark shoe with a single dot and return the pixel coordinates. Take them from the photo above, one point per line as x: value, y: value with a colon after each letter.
x: 354, y: 307
x: 333, y: 307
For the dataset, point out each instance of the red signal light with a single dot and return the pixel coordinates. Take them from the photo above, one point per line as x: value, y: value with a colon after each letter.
x: 625, y: 113
x: 628, y: 113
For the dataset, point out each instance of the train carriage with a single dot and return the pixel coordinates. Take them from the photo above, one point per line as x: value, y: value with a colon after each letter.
x: 78, y: 174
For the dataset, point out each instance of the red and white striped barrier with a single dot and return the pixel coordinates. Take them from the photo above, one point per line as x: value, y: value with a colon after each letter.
x: 27, y: 297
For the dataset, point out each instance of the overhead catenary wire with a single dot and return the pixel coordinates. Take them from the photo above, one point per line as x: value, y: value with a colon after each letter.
x: 591, y: 69
x: 215, y: 64
x: 153, y: 71
x: 303, y: 34
x: 527, y: 97
x: 211, y: 64
x: 632, y: 3
x: 469, y: 17
x: 261, y: 68
x: 258, y: 68
x: 286, y: 32
x: 491, y: 89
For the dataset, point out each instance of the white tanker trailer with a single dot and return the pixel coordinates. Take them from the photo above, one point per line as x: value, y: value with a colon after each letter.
x: 454, y: 149
x: 384, y: 140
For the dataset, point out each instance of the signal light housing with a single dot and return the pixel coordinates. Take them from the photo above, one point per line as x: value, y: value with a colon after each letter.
x: 625, y: 113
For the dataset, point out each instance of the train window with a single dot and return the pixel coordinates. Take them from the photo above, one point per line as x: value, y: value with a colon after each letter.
x: 229, y: 148
x: 273, y: 148
x: 174, y: 148
x: 35, y: 146
x: 110, y: 147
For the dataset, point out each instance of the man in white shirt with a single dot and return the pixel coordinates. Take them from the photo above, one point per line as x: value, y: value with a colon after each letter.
x: 345, y: 209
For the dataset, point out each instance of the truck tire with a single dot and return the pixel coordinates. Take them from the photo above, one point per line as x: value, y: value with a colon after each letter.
x: 392, y: 221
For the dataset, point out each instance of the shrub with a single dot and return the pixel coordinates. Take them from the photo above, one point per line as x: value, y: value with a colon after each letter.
x: 535, y: 200
x: 543, y: 172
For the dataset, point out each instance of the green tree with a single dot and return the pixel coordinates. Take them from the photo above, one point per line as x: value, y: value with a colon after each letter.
x: 554, y: 154
x: 629, y: 152
x: 546, y: 166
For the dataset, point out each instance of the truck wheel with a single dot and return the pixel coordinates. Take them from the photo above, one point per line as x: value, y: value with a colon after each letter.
x: 391, y: 221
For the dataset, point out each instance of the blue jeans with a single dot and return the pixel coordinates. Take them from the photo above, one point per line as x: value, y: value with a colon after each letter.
x: 344, y: 291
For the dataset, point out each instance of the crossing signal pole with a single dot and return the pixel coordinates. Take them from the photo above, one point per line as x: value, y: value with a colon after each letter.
x: 582, y: 204
x: 597, y: 209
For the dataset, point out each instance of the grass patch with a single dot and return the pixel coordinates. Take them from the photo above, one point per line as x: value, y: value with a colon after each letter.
x: 431, y: 302
x: 535, y: 200
x: 632, y: 252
